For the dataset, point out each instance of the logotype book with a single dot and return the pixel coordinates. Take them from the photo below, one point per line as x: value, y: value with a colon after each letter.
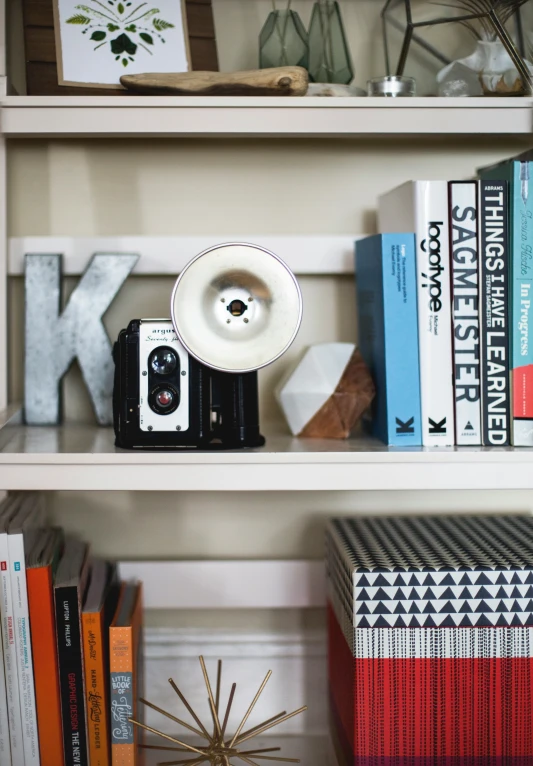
x: 424, y: 611
x: 127, y: 681
x: 41, y: 564
x: 388, y: 334
x: 98, y: 611
x: 465, y: 311
x: 422, y: 207
x: 494, y: 293
x: 519, y: 175
x: 69, y: 588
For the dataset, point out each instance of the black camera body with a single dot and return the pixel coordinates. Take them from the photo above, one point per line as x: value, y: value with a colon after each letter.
x: 163, y: 398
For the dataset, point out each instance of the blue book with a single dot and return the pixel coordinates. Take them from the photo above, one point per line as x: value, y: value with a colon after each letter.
x: 519, y: 173
x: 388, y: 334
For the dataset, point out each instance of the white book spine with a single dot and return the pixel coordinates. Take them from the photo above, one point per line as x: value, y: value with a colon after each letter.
x: 5, y: 747
x: 10, y: 657
x: 21, y: 611
x: 464, y: 246
x: 434, y: 313
x: 422, y: 207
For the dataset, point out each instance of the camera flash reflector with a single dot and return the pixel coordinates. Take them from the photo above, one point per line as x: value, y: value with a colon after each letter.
x: 236, y: 307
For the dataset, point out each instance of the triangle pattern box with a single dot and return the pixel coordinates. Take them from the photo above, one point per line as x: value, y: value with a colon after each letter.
x: 430, y: 625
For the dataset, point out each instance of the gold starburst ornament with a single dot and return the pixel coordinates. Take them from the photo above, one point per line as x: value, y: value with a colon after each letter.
x: 220, y: 749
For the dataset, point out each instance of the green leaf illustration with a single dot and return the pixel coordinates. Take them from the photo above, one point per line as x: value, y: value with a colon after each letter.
x: 123, y: 44
x: 131, y: 28
x: 112, y: 27
x: 124, y: 62
x: 98, y: 36
x: 147, y: 38
x: 161, y: 24
x: 79, y: 19
x: 120, y: 8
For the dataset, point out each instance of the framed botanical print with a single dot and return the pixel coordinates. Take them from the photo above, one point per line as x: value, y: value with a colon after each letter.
x: 97, y: 41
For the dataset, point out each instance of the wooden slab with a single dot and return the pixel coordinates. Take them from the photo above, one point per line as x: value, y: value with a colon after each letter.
x: 279, y: 81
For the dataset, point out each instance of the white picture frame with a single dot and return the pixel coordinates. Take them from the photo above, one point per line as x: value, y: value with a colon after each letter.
x: 98, y: 41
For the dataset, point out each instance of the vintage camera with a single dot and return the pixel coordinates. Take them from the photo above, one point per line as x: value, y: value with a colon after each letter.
x: 192, y: 381
x: 163, y: 397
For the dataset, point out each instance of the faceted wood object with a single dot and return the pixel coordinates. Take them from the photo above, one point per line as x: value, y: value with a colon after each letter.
x: 327, y: 392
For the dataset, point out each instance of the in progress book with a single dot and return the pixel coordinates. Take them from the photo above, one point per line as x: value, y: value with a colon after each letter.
x: 126, y: 660
x: 465, y: 311
x: 494, y: 292
x: 422, y: 207
x: 98, y: 611
x: 388, y: 334
x: 69, y: 590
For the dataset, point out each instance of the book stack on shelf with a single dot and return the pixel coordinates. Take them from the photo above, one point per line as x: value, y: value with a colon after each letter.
x: 430, y: 640
x: 444, y: 310
x: 70, y: 646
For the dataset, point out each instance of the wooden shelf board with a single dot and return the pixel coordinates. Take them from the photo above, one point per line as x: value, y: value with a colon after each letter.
x: 83, y: 457
x: 101, y: 116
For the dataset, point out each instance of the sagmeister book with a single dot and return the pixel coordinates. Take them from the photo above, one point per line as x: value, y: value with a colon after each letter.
x: 98, y: 611
x: 465, y: 311
x: 494, y: 296
x: 69, y: 590
x: 422, y: 207
x: 388, y: 334
x: 519, y: 175
x: 126, y: 678
x: 41, y: 563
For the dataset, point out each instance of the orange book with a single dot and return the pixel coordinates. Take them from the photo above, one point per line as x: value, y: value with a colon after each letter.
x: 126, y: 662
x: 41, y: 564
x: 98, y: 610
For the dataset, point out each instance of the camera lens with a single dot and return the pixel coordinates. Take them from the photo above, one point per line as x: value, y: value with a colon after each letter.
x: 163, y: 361
x: 164, y: 399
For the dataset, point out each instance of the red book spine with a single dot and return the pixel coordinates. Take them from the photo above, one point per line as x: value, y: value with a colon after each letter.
x: 45, y: 666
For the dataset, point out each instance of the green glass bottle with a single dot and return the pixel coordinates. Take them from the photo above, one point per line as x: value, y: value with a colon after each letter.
x: 329, y: 54
x: 283, y: 41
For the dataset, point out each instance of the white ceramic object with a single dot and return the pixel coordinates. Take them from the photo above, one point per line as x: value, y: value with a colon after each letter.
x: 488, y: 70
x: 334, y: 90
x: 325, y: 394
x: 309, y: 385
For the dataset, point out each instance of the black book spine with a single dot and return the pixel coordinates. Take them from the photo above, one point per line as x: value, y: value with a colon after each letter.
x: 494, y: 313
x: 71, y: 682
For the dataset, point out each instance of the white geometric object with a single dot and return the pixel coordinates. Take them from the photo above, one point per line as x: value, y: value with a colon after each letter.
x: 326, y: 392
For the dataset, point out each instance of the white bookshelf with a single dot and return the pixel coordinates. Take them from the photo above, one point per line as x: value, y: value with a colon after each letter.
x: 83, y: 457
x: 143, y: 116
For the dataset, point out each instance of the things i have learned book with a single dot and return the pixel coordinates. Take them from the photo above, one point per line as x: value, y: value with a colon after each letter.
x: 518, y: 173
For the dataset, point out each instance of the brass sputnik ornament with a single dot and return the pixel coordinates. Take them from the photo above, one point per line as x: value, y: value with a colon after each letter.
x: 220, y: 750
